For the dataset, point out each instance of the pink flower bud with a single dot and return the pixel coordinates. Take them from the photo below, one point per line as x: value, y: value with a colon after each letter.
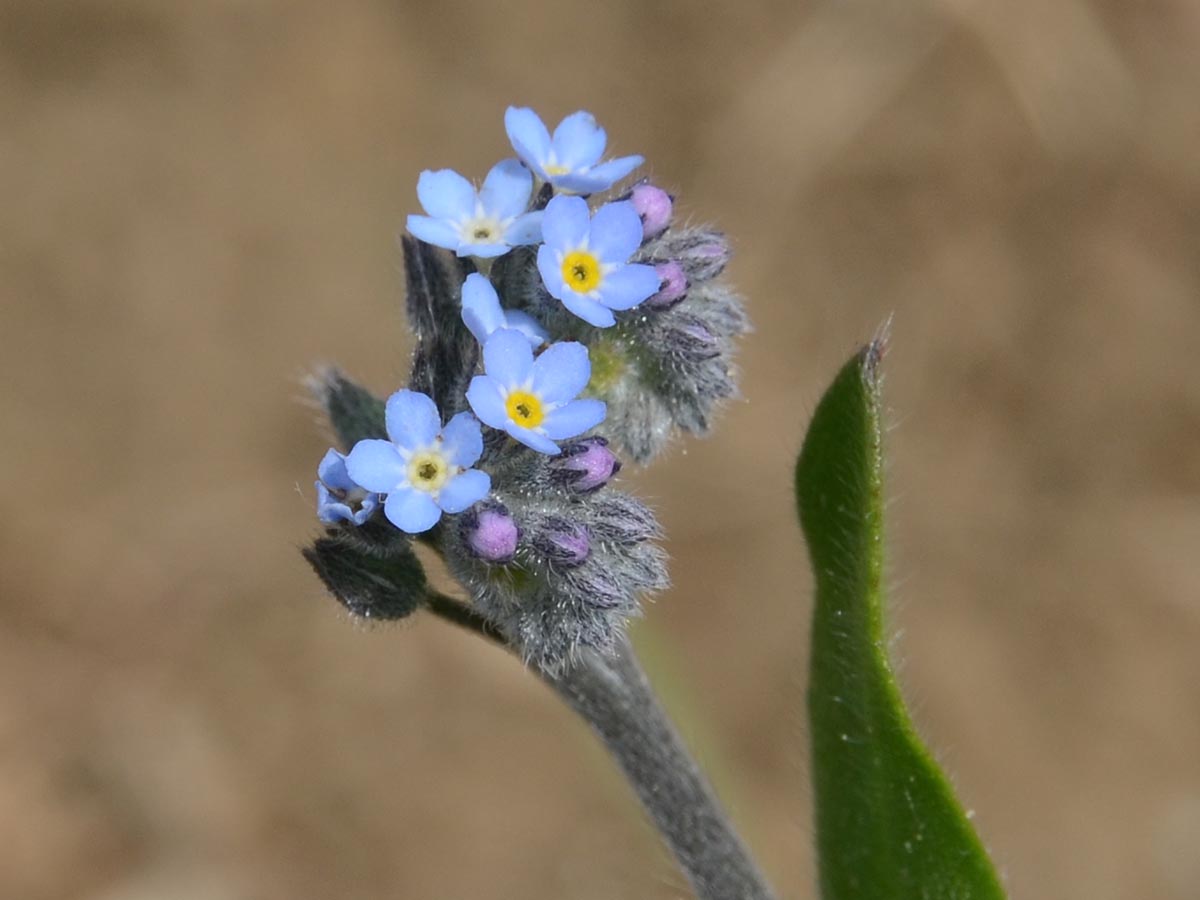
x: 490, y: 533
x: 654, y: 205
x: 707, y: 260
x: 694, y: 341
x: 567, y: 546
x: 586, y: 466
x: 674, y: 285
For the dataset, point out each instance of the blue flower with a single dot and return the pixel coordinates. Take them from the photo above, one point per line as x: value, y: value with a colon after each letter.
x: 532, y: 399
x: 423, y: 469
x: 585, y: 262
x: 339, y: 499
x: 569, y: 159
x: 487, y: 222
x: 482, y: 313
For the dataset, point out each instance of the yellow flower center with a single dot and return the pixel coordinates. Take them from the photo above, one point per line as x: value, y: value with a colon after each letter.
x: 581, y: 271
x: 557, y: 170
x: 525, y: 409
x: 428, y: 471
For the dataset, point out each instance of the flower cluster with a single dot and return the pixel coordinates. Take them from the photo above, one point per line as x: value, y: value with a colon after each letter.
x: 554, y: 315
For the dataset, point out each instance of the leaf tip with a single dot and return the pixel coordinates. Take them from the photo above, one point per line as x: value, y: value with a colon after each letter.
x: 874, y: 352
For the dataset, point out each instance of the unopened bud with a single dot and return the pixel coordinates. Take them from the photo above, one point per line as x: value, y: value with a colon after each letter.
x: 619, y: 518
x: 674, y: 285
x: 490, y: 533
x: 703, y: 253
x: 694, y: 341
x: 600, y: 589
x: 654, y: 205
x: 707, y: 260
x: 586, y: 466
x: 564, y: 544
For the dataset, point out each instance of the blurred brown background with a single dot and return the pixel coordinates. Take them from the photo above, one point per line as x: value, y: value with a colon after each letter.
x: 200, y: 200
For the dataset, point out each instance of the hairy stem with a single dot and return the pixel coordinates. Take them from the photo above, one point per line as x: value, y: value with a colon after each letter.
x: 614, y: 697
x: 463, y: 616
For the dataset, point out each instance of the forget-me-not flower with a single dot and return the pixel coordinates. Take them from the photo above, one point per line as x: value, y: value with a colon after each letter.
x: 423, y: 469
x: 585, y: 260
x: 483, y: 315
x: 339, y: 499
x: 533, y: 399
x: 571, y: 159
x: 488, y: 222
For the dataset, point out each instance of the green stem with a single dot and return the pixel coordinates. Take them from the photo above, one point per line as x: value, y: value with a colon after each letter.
x: 464, y: 617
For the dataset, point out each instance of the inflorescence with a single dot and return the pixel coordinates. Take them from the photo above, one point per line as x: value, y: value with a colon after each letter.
x: 557, y: 329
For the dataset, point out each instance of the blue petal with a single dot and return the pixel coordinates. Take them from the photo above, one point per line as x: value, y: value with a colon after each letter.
x: 616, y: 232
x: 411, y: 511
x: 505, y: 191
x: 508, y: 358
x: 587, y: 309
x: 438, y: 232
x: 549, y: 263
x: 487, y: 401
x: 369, y: 504
x: 525, y: 229
x: 481, y: 310
x: 533, y: 440
x: 565, y: 223
x: 332, y: 471
x: 598, y: 178
x: 413, y: 421
x: 462, y: 440
x: 527, y: 325
x: 377, y: 466
x: 578, y: 141
x: 528, y: 135
x: 561, y: 372
x: 329, y: 509
x: 626, y: 287
x: 463, y: 490
x: 445, y: 194
x: 616, y: 169
x: 483, y: 251
x: 528, y: 158
x: 574, y: 418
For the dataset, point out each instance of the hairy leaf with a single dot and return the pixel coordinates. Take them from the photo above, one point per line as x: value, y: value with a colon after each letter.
x: 888, y: 824
x: 384, y: 582
x: 354, y: 412
x: 445, y: 356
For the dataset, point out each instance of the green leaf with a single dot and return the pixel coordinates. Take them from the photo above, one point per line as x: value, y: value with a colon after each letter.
x: 354, y: 412
x: 888, y: 824
x: 383, y: 580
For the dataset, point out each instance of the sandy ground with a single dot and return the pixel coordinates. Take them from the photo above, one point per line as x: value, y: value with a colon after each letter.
x: 201, y: 200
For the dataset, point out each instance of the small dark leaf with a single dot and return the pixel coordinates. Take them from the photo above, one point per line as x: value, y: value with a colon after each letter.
x: 368, y: 584
x: 445, y: 355
x: 888, y: 824
x: 354, y: 412
x: 376, y: 537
